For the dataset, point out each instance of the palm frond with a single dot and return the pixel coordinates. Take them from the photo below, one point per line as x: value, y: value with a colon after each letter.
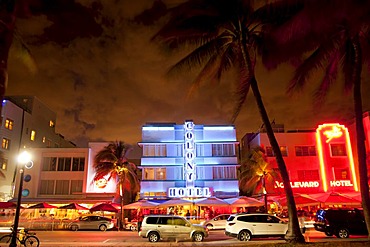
x: 329, y: 78
x: 316, y: 60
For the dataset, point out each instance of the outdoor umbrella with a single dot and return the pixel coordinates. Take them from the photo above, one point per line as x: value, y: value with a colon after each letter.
x: 8, y: 205
x: 175, y: 202
x: 42, y: 205
x: 244, y: 201
x: 337, y: 198
x: 300, y: 199
x: 141, y: 204
x: 211, y: 201
x: 74, y: 206
x: 105, y: 206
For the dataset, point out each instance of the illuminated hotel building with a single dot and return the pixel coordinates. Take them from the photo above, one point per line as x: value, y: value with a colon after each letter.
x: 319, y: 160
x: 188, y: 161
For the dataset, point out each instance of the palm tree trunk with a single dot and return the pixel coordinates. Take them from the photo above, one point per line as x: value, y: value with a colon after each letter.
x: 361, y: 149
x: 294, y: 234
x: 122, y: 223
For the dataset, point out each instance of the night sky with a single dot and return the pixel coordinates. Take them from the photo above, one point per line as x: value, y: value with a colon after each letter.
x: 101, y: 74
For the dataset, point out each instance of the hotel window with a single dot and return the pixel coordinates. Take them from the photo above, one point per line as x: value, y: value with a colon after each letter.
x: 49, y: 164
x: 223, y: 149
x: 308, y: 175
x: 160, y: 174
x: 305, y: 151
x: 9, y: 124
x: 3, y: 164
x: 270, y: 153
x: 199, y: 150
x: 155, y: 150
x: 48, y: 143
x: 62, y: 187
x: 76, y: 187
x: 78, y: 164
x: 47, y: 187
x: 33, y: 135
x: 224, y: 172
x: 338, y: 150
x: 341, y: 174
x: 64, y: 164
x: 178, y: 150
x: 154, y: 173
x: 51, y: 123
x: 6, y: 143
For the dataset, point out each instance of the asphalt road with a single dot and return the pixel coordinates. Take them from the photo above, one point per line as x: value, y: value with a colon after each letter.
x: 128, y: 238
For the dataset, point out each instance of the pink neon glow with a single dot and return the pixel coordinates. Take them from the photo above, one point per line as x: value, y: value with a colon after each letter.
x: 335, y: 132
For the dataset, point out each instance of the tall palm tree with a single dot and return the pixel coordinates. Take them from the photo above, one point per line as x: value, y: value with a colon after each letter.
x: 226, y: 35
x: 112, y: 161
x: 255, y: 174
x: 7, y: 27
x: 342, y: 44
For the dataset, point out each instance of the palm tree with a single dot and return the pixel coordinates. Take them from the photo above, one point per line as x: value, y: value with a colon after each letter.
x: 341, y: 45
x: 255, y: 173
x: 112, y: 161
x: 226, y: 35
x: 7, y: 26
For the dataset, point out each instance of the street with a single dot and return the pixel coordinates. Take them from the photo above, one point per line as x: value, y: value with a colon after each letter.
x: 129, y: 238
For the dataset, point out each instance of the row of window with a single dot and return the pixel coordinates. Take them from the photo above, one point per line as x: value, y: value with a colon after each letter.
x: 176, y: 150
x: 60, y: 187
x: 9, y: 124
x: 63, y: 163
x: 177, y: 173
x: 229, y: 172
x: 338, y: 149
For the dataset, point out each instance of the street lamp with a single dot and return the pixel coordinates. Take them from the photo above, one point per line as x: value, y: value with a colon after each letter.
x: 23, y: 159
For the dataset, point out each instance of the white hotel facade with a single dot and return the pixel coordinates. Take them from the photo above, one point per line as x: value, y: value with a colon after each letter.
x: 188, y: 161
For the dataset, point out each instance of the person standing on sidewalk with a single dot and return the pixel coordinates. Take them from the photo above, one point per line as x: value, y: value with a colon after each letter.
x: 140, y: 218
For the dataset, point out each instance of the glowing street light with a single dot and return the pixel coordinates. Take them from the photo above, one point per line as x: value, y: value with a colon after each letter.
x: 23, y: 159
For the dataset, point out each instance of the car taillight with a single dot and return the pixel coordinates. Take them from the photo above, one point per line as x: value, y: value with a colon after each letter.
x: 231, y: 223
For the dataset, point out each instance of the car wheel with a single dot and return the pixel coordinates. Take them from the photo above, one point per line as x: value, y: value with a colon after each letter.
x: 244, y: 235
x: 329, y: 234
x: 209, y: 226
x: 74, y: 228
x: 153, y: 237
x: 133, y: 228
x: 103, y: 228
x: 198, y: 237
x: 342, y: 233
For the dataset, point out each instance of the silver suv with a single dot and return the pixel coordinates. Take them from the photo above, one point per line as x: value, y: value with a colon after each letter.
x: 156, y: 227
x: 246, y: 226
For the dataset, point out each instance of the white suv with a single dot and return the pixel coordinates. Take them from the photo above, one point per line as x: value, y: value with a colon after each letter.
x: 246, y: 226
x: 156, y: 227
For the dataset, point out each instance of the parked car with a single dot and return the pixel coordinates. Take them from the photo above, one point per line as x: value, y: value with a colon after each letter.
x: 157, y: 227
x: 91, y: 222
x: 340, y: 222
x: 218, y: 222
x: 247, y: 226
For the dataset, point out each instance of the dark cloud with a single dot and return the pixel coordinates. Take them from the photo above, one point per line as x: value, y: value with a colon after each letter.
x: 104, y: 77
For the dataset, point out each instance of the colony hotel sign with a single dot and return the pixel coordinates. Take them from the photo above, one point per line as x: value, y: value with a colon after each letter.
x: 189, y: 168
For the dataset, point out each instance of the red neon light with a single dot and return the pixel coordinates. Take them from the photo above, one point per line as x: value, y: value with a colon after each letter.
x: 321, y: 160
x: 334, y: 132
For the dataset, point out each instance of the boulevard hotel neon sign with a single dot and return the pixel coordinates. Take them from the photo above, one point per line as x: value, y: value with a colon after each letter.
x: 326, y: 135
x: 189, y: 168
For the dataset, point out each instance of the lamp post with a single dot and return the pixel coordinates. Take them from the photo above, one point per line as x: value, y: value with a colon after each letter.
x: 23, y: 158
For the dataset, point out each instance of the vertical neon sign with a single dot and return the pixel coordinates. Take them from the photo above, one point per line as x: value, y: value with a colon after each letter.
x: 189, y: 154
x: 325, y: 134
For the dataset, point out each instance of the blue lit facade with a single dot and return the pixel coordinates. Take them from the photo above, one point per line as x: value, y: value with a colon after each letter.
x: 188, y: 161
